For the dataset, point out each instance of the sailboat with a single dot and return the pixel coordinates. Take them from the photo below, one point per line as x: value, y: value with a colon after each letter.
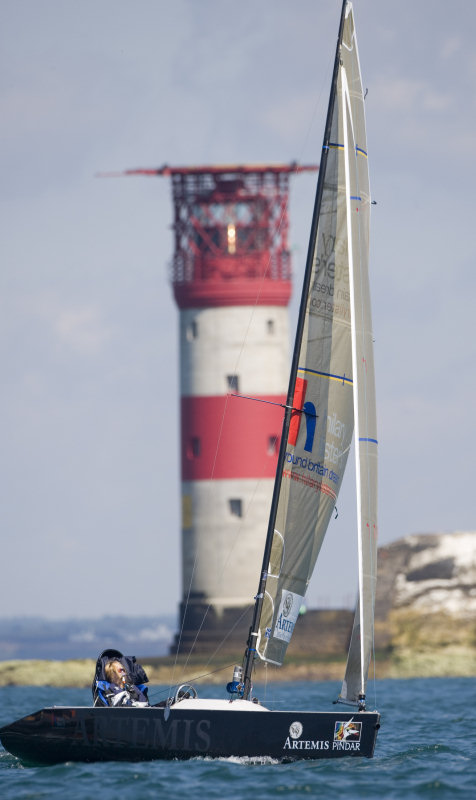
x: 331, y: 395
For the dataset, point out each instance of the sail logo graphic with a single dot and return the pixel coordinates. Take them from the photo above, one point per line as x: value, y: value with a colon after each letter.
x: 288, y: 604
x: 309, y: 413
x: 288, y: 613
x: 335, y: 444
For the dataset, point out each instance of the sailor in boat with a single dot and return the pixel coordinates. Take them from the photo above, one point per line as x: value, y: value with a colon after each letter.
x: 119, y: 681
x: 119, y: 692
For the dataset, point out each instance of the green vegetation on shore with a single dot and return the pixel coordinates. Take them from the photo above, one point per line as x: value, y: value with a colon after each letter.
x: 403, y: 663
x: 431, y: 645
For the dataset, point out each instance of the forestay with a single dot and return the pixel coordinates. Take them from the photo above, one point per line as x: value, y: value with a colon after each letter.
x: 335, y: 374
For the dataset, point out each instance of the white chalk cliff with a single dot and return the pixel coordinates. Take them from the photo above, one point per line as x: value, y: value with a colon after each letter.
x: 432, y: 572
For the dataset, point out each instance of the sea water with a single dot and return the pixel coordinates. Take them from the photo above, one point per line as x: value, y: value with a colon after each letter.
x: 426, y: 748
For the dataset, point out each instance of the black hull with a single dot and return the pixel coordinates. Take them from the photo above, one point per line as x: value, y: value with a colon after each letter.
x: 55, y: 735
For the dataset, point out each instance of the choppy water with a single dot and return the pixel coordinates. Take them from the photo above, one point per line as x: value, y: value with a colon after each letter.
x: 426, y: 749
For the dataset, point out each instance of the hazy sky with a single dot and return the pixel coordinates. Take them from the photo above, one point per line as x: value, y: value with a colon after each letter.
x: 90, y: 472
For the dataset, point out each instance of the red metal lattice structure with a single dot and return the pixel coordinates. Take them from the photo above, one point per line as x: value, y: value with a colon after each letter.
x: 231, y: 233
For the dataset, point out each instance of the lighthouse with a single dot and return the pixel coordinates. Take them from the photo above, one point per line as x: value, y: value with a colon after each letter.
x: 231, y: 278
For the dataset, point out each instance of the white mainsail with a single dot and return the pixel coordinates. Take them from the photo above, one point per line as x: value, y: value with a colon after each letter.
x: 360, y: 651
x: 335, y: 378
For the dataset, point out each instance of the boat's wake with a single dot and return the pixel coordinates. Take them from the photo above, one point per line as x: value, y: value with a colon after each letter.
x: 243, y: 760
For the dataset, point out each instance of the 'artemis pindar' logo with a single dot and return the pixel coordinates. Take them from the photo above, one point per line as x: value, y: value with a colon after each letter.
x: 346, y: 737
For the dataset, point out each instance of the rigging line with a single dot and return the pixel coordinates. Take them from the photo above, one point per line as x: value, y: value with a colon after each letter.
x: 221, y: 643
x: 212, y: 672
x: 219, y: 646
x: 189, y: 589
x: 183, y: 619
x: 196, y: 637
x: 239, y: 355
x: 265, y: 682
x: 236, y: 538
x: 195, y: 565
x: 237, y: 622
x: 205, y: 616
x: 254, y: 630
x: 212, y: 472
x: 259, y: 400
x: 249, y: 505
x: 284, y: 209
x: 265, y: 272
x: 228, y: 556
x: 285, y: 206
x: 234, y: 541
x: 161, y: 692
x: 320, y: 101
x: 272, y: 403
x: 317, y: 105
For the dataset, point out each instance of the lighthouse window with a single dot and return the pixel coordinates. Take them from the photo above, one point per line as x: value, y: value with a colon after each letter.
x: 192, y: 330
x: 270, y: 326
x: 236, y: 507
x: 233, y: 383
x: 272, y: 445
x: 194, y: 447
x: 231, y: 238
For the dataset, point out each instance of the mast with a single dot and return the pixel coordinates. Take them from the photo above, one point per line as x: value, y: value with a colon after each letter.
x: 253, y: 634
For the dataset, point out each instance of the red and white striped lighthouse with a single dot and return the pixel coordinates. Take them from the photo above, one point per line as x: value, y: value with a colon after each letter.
x: 231, y: 276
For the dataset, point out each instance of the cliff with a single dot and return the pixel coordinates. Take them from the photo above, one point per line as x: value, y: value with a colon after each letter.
x: 426, y: 604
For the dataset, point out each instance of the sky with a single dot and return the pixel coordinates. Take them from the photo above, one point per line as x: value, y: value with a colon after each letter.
x: 90, y: 481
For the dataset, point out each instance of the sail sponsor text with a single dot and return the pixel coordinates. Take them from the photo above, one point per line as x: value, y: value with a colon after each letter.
x: 333, y: 454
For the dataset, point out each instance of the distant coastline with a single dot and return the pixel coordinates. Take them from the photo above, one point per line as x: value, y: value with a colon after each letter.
x: 37, y: 638
x: 407, y: 663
